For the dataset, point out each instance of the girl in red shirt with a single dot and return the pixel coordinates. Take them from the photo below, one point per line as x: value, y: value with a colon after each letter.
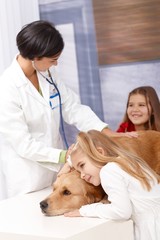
x: 142, y: 111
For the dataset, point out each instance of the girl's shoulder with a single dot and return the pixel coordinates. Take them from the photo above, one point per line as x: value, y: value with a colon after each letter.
x: 123, y: 127
x: 111, y: 167
x: 113, y: 174
x: 126, y: 127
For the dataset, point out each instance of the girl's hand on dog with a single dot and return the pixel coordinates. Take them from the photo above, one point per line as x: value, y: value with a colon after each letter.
x: 69, y: 150
x: 74, y: 213
x: 65, y: 169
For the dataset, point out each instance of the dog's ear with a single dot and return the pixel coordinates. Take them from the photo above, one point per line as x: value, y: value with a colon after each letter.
x: 95, y: 194
x: 91, y: 198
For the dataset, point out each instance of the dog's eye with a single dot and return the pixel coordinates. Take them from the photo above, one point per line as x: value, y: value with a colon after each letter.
x: 66, y: 192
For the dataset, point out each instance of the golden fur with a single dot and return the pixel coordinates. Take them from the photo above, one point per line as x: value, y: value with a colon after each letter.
x: 70, y: 192
x: 146, y: 146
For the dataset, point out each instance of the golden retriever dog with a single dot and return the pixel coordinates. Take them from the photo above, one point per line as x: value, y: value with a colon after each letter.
x: 146, y: 146
x: 70, y: 192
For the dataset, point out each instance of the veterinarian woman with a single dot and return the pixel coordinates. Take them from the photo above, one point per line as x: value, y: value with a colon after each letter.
x: 30, y: 112
x: 133, y: 188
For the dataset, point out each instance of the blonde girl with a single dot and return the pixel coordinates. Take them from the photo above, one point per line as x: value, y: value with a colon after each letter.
x: 133, y: 188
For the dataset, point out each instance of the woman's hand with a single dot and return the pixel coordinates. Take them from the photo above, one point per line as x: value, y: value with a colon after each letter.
x: 74, y: 213
x: 129, y: 134
x: 111, y: 133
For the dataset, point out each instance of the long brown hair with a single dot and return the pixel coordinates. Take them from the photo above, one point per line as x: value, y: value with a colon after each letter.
x: 151, y: 97
x: 88, y: 143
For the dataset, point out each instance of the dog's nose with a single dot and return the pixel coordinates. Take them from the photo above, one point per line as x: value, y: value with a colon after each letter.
x: 43, y: 205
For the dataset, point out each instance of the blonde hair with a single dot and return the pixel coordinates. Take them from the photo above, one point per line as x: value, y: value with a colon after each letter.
x: 88, y: 143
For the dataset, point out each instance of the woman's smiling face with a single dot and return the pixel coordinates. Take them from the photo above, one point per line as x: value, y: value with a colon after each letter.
x: 89, y: 172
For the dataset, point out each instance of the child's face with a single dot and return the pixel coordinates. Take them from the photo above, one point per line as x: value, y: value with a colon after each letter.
x: 89, y: 172
x: 138, y: 111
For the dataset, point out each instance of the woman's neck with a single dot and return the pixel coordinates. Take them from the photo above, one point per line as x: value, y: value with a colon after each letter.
x: 26, y: 66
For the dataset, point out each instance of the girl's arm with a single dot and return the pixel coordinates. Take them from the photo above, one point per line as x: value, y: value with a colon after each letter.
x: 114, y: 182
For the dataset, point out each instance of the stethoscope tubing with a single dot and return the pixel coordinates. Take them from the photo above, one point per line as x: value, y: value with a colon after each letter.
x: 60, y: 105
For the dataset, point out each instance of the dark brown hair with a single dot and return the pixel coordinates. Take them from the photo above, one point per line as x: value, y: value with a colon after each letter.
x: 150, y: 95
x: 39, y: 39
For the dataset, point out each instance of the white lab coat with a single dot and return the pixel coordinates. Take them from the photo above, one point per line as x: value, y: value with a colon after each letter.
x: 29, y: 130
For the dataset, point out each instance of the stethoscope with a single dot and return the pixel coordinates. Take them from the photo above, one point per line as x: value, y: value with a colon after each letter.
x: 50, y: 81
x: 60, y: 106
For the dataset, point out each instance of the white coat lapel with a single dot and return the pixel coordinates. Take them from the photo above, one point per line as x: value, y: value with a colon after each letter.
x: 44, y: 86
x: 22, y: 81
x: 32, y: 91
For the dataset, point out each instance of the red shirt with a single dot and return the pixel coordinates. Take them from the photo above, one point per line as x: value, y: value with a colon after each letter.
x: 126, y: 127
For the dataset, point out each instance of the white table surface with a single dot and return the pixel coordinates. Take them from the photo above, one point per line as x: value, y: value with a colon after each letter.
x: 21, y: 219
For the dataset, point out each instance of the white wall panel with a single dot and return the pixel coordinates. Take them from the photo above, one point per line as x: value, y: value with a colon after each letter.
x: 13, y: 15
